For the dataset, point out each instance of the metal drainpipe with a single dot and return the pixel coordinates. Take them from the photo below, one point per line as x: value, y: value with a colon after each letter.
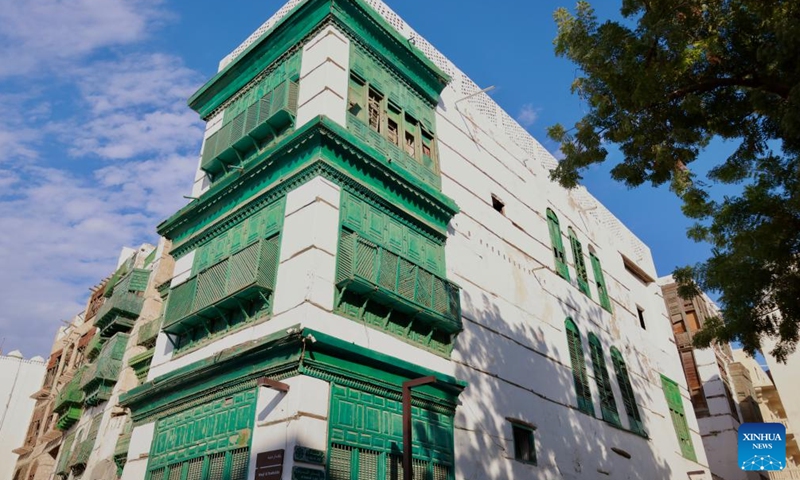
x: 407, y: 386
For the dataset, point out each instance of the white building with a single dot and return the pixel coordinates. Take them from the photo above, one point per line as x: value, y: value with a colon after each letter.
x: 366, y: 217
x: 19, y: 379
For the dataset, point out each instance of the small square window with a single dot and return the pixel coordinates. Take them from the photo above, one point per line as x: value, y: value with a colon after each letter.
x: 640, y: 311
x: 524, y: 448
x: 498, y: 205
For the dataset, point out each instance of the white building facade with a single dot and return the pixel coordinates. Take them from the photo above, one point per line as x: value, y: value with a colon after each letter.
x: 365, y: 217
x: 19, y: 379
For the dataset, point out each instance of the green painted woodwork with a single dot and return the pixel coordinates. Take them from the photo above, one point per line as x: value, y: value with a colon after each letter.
x: 578, y: 363
x: 388, y: 116
x: 101, y: 375
x: 229, y: 284
x: 69, y: 401
x: 675, y: 403
x: 373, y: 422
x: 355, y: 18
x: 95, y: 346
x: 628, y: 399
x: 83, y: 450
x: 118, y: 313
x: 62, y: 467
x: 141, y: 364
x: 230, y: 465
x: 137, y: 281
x: 249, y: 131
x: 608, y: 405
x: 319, y: 148
x: 389, y: 230
x: 371, y: 271
x: 264, y: 223
x: 580, y: 264
x: 558, y: 245
x: 281, y: 355
x: 218, y: 426
x: 68, y: 417
x: 122, y: 447
x: 600, y: 280
x: 148, y: 333
x: 123, y: 269
x: 150, y: 258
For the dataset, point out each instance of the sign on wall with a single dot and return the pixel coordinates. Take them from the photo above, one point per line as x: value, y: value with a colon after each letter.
x: 269, y: 465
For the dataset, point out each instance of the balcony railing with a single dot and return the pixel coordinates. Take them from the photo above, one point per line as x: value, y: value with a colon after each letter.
x: 368, y: 269
x: 118, y: 313
x: 263, y: 119
x: 141, y: 364
x: 70, y: 395
x: 99, y: 379
x: 241, y: 277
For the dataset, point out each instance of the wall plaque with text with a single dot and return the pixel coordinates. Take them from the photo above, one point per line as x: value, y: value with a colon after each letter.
x: 269, y: 465
x: 309, y: 455
x: 303, y: 473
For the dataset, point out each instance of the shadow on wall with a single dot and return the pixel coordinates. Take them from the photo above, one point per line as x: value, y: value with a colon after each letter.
x: 522, y: 371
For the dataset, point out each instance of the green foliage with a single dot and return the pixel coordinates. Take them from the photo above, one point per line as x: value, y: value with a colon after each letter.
x: 661, y: 85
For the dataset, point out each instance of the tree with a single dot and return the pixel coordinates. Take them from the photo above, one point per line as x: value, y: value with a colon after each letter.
x: 664, y: 82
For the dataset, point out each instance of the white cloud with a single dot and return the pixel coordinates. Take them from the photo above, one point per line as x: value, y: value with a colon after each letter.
x: 527, y: 115
x: 46, y: 33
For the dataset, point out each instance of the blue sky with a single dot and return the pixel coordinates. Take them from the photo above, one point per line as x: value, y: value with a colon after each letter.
x: 99, y: 145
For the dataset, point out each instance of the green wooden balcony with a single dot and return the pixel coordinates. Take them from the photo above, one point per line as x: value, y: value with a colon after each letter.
x: 225, y: 285
x: 262, y: 120
x: 80, y: 455
x: 95, y: 346
x: 141, y: 364
x: 62, y: 467
x: 69, y: 402
x: 100, y: 377
x: 372, y: 271
x: 68, y: 418
x: 118, y: 313
x: 148, y: 333
x: 121, y: 451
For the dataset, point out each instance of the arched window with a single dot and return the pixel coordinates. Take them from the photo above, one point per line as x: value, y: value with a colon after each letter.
x: 600, y: 281
x: 580, y: 263
x: 608, y: 406
x: 558, y: 245
x: 578, y: 367
x: 624, y: 381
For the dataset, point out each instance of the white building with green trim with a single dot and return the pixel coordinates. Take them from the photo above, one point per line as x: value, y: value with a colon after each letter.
x: 366, y: 216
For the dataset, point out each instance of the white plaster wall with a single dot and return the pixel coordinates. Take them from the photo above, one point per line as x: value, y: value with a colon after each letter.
x: 786, y: 377
x: 324, y: 77
x: 19, y: 379
x: 287, y: 419
x: 141, y: 439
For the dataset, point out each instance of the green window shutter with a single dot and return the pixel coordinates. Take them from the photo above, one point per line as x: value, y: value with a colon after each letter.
x: 608, y: 405
x: 578, y: 368
x: 675, y: 404
x: 580, y: 263
x: 558, y: 245
x: 138, y: 281
x: 602, y: 291
x: 624, y: 381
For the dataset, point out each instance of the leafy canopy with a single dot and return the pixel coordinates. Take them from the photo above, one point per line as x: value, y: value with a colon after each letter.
x: 661, y: 85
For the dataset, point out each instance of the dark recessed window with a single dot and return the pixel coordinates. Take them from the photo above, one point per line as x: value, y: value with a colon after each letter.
x: 640, y: 311
x: 498, y: 205
x: 524, y: 448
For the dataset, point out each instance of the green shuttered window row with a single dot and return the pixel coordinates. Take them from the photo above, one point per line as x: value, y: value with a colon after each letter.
x: 389, y: 117
x: 122, y: 308
x: 255, y: 119
x: 559, y: 255
x: 207, y: 442
x: 624, y: 381
x: 600, y: 280
x: 608, y: 405
x: 580, y: 264
x: 675, y: 403
x: 366, y: 439
x: 578, y: 363
x: 391, y: 276
x: 232, y: 283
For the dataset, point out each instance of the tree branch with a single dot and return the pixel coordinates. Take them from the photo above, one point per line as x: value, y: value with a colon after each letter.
x: 713, y: 83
